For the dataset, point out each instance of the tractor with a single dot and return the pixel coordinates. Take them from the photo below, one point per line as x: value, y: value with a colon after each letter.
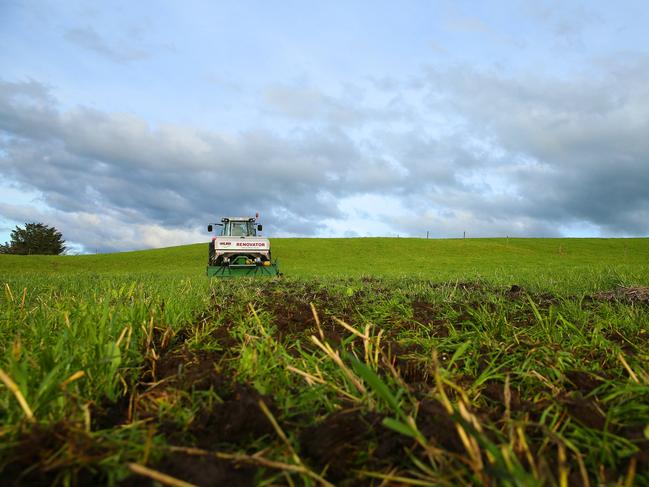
x: 237, y: 250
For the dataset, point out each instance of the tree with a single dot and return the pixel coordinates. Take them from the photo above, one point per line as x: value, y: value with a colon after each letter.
x: 35, y: 238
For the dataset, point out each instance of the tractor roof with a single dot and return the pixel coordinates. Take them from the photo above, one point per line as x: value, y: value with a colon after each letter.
x: 238, y: 218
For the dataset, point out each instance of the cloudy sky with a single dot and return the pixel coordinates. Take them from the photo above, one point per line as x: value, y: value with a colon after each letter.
x: 132, y: 124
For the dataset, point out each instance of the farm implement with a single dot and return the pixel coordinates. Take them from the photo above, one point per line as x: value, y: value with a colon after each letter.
x: 239, y: 251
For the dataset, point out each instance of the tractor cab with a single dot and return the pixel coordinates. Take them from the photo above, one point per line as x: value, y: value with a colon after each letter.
x: 238, y: 249
x: 237, y: 227
x: 240, y: 228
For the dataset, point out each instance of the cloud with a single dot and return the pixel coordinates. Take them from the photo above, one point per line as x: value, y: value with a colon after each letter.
x: 123, y: 52
x: 26, y: 109
x: 472, y: 25
x: 305, y: 103
x: 573, y: 149
x: 115, y: 165
x: 464, y: 150
x: 566, y: 22
x: 104, y: 232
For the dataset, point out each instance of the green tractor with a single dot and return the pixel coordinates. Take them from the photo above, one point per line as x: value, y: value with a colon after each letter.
x: 238, y: 251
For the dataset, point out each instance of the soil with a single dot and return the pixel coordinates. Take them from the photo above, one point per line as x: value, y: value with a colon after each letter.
x: 110, y: 414
x: 542, y: 301
x: 470, y: 286
x: 636, y: 434
x: 206, y: 471
x: 42, y: 452
x: 436, y: 424
x: 426, y: 314
x: 341, y: 439
x: 237, y: 421
x: 335, y: 442
x: 185, y: 369
x: 294, y: 318
x: 25, y: 466
x: 630, y: 294
x: 234, y: 423
x: 515, y: 291
x: 585, y: 410
x: 495, y: 391
x: 583, y: 381
x: 413, y: 371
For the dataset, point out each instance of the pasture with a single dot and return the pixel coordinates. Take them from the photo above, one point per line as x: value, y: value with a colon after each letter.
x: 370, y: 362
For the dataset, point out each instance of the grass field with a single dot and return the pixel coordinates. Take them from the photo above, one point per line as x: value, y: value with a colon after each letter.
x: 370, y: 362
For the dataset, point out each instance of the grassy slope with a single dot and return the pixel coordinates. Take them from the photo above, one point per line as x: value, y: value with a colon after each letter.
x: 103, y: 315
x: 512, y: 259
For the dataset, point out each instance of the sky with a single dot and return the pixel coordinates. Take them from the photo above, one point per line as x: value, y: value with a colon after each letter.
x: 131, y: 125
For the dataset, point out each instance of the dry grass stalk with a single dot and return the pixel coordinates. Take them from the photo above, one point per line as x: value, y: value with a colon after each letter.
x: 8, y: 292
x: 294, y: 455
x: 378, y: 347
x: 77, y: 375
x: 121, y: 336
x: 312, y: 379
x: 148, y: 444
x: 469, y: 442
x: 585, y: 481
x: 15, y: 390
x: 158, y: 476
x: 624, y: 363
x: 367, y: 345
x: 564, y: 471
x: 16, y: 348
x: 335, y: 356
x: 256, y: 459
x: 149, y: 336
x: 22, y: 301
x: 279, y: 431
x: 548, y: 384
x: 524, y: 447
x: 629, y: 481
x: 87, y: 422
x: 391, y: 478
x: 317, y: 321
x: 259, y: 323
x: 371, y: 357
x: 507, y: 393
x: 351, y: 329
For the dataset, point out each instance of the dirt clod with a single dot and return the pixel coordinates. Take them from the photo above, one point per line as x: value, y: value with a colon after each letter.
x: 185, y: 369
x: 238, y: 420
x: 515, y: 291
x: 583, y: 381
x: 435, y: 423
x: 495, y: 391
x: 335, y: 441
x: 206, y: 471
x: 41, y: 453
x: 585, y: 410
x: 426, y: 314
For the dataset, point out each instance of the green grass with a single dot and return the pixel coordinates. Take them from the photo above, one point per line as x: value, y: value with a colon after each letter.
x: 443, y: 374
x: 544, y: 260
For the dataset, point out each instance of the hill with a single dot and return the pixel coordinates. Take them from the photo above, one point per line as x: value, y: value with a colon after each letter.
x: 438, y: 259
